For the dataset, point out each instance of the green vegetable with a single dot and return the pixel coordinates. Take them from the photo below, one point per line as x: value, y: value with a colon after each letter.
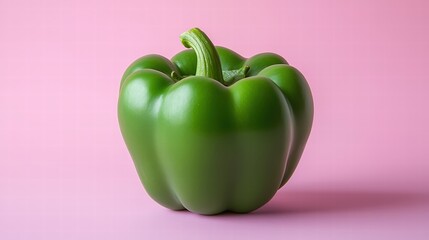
x: 211, y: 131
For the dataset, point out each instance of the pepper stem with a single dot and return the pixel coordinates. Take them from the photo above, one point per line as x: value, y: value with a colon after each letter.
x: 208, y: 62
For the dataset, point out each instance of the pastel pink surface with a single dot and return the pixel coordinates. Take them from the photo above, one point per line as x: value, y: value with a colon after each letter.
x: 65, y: 172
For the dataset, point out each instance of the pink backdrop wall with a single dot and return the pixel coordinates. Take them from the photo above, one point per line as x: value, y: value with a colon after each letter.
x: 65, y: 172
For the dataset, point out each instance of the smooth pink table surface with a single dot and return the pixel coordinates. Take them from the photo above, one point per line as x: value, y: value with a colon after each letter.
x: 65, y: 172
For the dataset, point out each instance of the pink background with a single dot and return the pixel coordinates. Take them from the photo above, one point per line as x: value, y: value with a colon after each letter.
x: 65, y: 172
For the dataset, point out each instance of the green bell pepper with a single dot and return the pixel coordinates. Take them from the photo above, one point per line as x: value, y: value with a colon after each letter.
x: 211, y: 131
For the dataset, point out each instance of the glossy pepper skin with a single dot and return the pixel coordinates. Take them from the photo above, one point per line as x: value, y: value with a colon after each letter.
x: 211, y: 131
